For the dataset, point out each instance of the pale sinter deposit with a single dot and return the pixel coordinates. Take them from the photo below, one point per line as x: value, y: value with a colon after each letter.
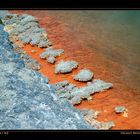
x: 84, y: 75
x: 65, y: 66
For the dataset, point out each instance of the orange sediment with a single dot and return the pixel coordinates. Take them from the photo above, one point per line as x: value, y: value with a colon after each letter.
x: 74, y: 49
x: 47, y: 69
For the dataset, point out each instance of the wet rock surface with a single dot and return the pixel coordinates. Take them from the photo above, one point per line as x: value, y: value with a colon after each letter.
x: 98, y: 125
x: 84, y: 75
x: 64, y: 90
x: 120, y: 109
x: 75, y: 94
x: 25, y: 28
x: 51, y: 60
x: 75, y: 45
x: 11, y: 22
x: 27, y: 100
x: 65, y: 66
x: 92, y: 113
x: 50, y: 54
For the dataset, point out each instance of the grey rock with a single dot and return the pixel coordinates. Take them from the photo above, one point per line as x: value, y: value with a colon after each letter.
x: 98, y: 125
x: 65, y: 66
x: 43, y: 43
x: 43, y: 55
x: 20, y: 64
x: 89, y: 98
x: 76, y: 100
x: 25, y: 39
x: 27, y: 26
x: 62, y: 84
x: 75, y: 95
x: 32, y: 64
x: 27, y: 101
x: 51, y: 60
x: 120, y: 109
x: 95, y: 86
x: 64, y: 88
x: 49, y: 43
x: 84, y: 75
x: 27, y: 18
x: 26, y: 60
x: 51, y: 52
x: 94, y: 114
x: 9, y: 19
x: 107, y: 125
x: 26, y: 29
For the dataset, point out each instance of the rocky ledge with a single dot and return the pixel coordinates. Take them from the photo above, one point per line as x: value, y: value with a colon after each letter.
x: 27, y: 100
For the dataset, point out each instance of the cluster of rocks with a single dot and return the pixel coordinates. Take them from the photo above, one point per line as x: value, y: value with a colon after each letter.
x: 12, y: 22
x: 91, y: 115
x: 27, y: 101
x: 50, y: 54
x: 91, y: 112
x: 75, y: 95
x: 98, y: 125
x: 26, y: 29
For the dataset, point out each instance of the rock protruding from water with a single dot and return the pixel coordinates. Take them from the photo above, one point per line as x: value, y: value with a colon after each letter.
x: 91, y: 112
x: 27, y: 101
x: 75, y: 95
x: 51, y: 60
x: 90, y: 117
x: 50, y: 54
x: 84, y: 75
x: 25, y: 28
x: 65, y: 66
x: 120, y: 109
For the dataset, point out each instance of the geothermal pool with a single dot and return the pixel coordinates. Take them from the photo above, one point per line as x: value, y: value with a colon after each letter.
x: 107, y: 42
x: 117, y: 34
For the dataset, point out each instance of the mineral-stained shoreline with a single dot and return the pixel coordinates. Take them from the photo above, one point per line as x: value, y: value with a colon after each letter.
x: 81, y: 45
x: 27, y: 100
x: 38, y: 106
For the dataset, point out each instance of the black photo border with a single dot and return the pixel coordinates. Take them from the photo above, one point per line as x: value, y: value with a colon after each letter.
x: 70, y: 5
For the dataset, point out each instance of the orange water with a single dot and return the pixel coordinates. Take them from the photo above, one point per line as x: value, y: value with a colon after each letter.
x: 76, y: 42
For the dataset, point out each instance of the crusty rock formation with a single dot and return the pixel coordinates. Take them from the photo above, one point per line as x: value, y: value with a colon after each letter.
x: 75, y: 94
x: 25, y: 28
x: 65, y: 66
x: 84, y: 75
x: 27, y: 101
x: 91, y: 112
x: 51, y: 59
x: 22, y: 26
x: 120, y: 109
x: 99, y: 125
x: 50, y: 54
